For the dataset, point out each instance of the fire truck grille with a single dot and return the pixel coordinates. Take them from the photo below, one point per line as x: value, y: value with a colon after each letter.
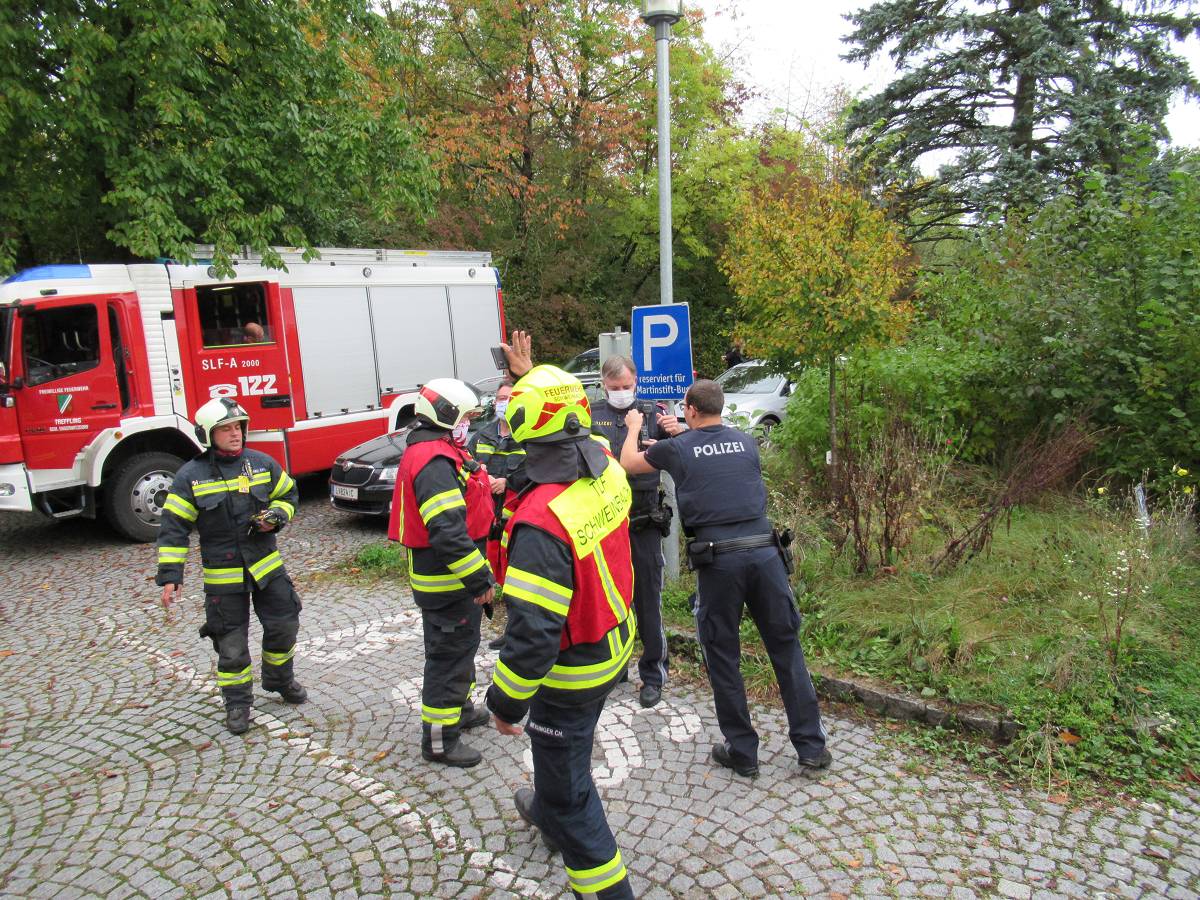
x: 351, y: 474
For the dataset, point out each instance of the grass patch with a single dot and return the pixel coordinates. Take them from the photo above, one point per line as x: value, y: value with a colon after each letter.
x: 377, y: 561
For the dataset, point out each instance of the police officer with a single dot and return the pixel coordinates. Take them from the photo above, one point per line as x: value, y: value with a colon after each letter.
x: 738, y: 562
x: 236, y: 499
x: 496, y: 450
x: 570, y: 630
x: 648, y: 520
x: 441, y: 511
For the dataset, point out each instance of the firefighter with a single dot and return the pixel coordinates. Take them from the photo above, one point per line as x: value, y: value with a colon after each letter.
x: 493, y: 446
x: 649, y: 521
x: 441, y: 512
x: 570, y: 633
x: 236, y: 499
x: 740, y: 562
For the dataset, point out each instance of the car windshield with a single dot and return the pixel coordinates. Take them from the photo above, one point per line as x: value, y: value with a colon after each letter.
x: 588, y: 361
x: 750, y: 380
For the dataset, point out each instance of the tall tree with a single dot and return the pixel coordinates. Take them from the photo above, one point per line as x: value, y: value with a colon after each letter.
x: 1024, y: 94
x: 135, y: 128
x: 540, y: 116
x: 818, y: 271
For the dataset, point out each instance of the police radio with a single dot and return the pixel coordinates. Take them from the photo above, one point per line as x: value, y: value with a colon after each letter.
x: 649, y: 410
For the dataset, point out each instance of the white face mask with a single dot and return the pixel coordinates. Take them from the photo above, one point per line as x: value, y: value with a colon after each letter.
x: 501, y: 408
x: 460, y: 431
x: 619, y: 399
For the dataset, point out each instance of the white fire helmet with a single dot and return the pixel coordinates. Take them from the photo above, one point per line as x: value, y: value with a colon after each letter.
x: 219, y: 412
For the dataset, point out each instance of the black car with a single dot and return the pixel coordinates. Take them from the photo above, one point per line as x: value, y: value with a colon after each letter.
x: 363, y: 478
x: 586, y: 367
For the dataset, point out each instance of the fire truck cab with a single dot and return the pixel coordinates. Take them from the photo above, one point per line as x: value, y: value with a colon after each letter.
x: 102, y: 367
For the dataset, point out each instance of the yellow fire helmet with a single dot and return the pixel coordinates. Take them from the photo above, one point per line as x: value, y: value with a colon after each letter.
x: 547, y: 406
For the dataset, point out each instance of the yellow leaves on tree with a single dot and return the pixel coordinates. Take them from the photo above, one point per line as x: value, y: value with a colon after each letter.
x: 817, y: 269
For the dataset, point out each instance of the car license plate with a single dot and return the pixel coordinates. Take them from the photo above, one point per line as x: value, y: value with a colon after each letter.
x: 345, y: 493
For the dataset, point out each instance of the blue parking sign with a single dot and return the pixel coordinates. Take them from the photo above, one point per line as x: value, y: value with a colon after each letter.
x: 662, y: 350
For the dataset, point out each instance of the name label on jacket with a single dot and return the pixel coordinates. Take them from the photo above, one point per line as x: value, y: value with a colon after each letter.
x: 719, y: 449
x: 593, y: 508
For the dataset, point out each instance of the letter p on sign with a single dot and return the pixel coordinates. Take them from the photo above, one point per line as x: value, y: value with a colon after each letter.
x: 650, y: 341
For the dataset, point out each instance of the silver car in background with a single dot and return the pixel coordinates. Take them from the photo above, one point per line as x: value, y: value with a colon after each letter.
x: 755, y: 397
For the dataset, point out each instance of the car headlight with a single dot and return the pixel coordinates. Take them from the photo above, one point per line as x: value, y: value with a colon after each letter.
x: 388, y: 474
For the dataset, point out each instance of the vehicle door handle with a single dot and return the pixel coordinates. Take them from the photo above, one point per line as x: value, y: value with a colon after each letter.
x: 277, y: 401
x: 104, y: 406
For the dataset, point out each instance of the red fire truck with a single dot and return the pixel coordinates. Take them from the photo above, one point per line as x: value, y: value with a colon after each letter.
x: 103, y: 366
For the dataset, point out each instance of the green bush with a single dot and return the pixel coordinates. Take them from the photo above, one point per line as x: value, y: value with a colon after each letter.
x: 1091, y: 307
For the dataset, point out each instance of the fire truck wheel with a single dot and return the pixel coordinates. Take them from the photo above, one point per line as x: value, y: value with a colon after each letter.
x: 134, y: 497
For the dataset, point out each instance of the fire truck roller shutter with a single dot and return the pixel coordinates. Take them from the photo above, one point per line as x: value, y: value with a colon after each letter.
x: 337, y: 349
x: 412, y: 323
x: 475, y: 311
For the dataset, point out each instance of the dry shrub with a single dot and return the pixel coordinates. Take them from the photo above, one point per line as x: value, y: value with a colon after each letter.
x: 1040, y: 463
x: 888, y: 469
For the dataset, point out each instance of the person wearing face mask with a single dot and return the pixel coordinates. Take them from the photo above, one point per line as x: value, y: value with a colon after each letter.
x: 504, y: 458
x: 619, y: 377
x: 442, y: 511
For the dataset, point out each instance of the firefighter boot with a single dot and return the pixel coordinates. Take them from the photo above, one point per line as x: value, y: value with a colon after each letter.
x: 473, y: 717
x: 441, y: 747
x: 523, y: 800
x: 293, y: 693
x: 460, y: 756
x: 237, y: 720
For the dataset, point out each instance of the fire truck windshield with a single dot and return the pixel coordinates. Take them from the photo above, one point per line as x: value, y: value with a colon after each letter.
x: 6, y: 319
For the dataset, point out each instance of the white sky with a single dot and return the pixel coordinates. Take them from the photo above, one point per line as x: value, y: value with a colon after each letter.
x: 788, y: 52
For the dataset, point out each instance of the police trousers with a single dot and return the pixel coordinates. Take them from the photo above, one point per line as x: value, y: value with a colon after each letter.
x: 646, y: 548
x: 566, y: 805
x: 227, y: 622
x: 451, y: 639
x: 754, y: 579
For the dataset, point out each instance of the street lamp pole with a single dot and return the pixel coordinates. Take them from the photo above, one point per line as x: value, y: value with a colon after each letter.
x: 662, y: 14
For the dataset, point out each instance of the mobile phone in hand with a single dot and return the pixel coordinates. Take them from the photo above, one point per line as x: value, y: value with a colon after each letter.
x: 499, y: 358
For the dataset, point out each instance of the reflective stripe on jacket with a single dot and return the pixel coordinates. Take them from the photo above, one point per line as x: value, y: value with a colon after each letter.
x: 217, y: 497
x: 412, y: 513
x: 569, y: 586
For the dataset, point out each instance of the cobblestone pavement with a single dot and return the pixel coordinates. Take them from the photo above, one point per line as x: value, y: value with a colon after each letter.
x: 118, y: 778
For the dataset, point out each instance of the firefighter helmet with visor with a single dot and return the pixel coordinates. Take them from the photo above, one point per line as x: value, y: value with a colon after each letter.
x: 547, y: 406
x: 220, y: 411
x: 446, y: 402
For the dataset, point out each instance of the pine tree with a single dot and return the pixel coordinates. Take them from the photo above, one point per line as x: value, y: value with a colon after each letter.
x: 1025, y: 95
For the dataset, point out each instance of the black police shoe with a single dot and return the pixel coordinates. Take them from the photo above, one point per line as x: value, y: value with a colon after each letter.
x: 473, y: 717
x: 649, y: 695
x: 812, y: 765
x: 523, y: 799
x: 722, y: 756
x: 460, y: 756
x: 238, y: 720
x: 496, y: 643
x: 293, y: 693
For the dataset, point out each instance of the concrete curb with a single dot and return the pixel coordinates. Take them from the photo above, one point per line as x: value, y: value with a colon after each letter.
x: 891, y: 705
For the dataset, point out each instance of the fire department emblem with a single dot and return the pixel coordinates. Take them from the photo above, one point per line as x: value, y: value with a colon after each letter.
x: 64, y: 403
